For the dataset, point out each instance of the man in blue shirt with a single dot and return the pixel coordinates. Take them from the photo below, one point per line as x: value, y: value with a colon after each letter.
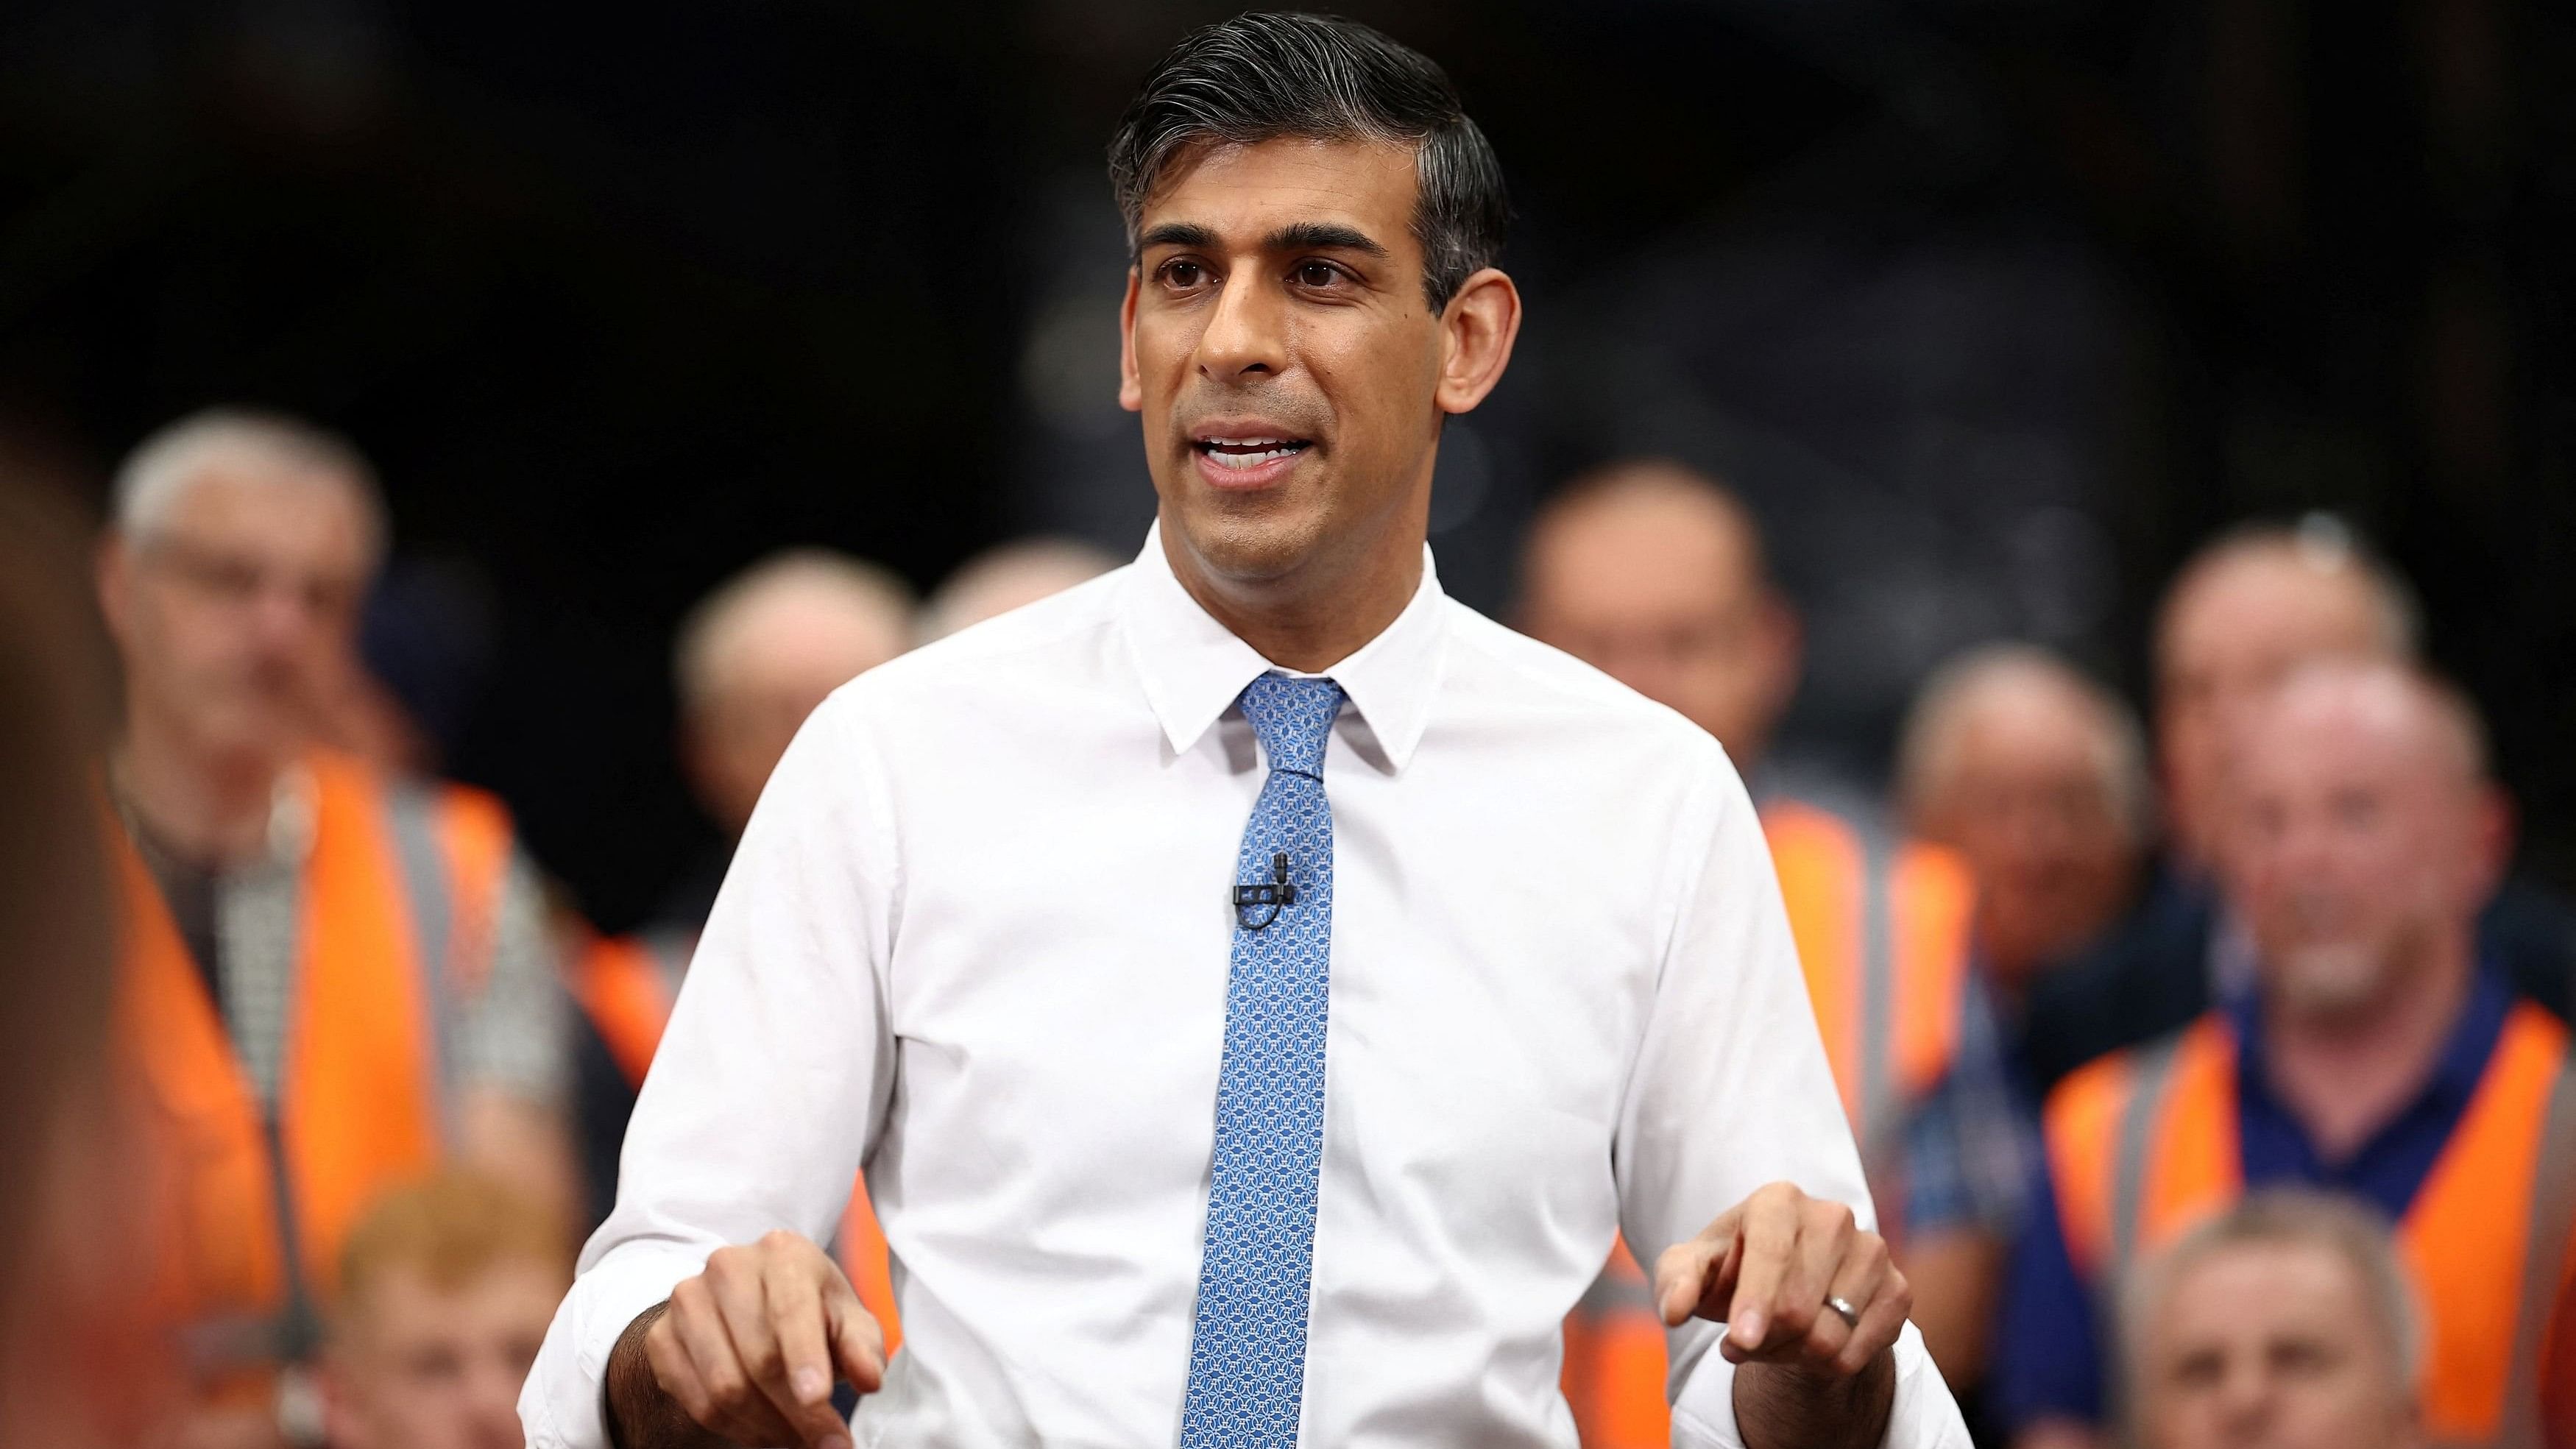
x: 2373, y: 1056
x: 2247, y: 608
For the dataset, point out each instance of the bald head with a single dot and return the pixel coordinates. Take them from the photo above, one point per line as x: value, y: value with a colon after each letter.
x: 2035, y: 774
x: 2364, y: 836
x: 1008, y: 577
x: 2241, y: 615
x: 760, y: 653
x: 1654, y: 574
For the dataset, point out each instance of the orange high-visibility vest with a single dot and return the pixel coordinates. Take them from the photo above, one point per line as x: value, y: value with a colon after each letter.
x: 1613, y: 1378
x: 626, y: 986
x: 396, y: 906
x: 2142, y: 1145
x: 1882, y: 935
x: 1882, y: 932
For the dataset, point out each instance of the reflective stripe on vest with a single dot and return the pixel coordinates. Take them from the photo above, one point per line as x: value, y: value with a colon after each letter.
x: 260, y: 1204
x: 627, y: 985
x: 1882, y: 934
x: 2143, y: 1145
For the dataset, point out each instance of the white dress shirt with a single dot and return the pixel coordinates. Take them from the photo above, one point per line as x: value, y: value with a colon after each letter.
x: 976, y: 941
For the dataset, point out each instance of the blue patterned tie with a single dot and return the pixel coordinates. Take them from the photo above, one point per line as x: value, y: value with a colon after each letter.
x: 1248, y: 1340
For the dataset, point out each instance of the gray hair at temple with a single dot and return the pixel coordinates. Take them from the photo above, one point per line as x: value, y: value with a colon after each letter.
x: 161, y: 469
x: 1949, y: 701
x: 1262, y: 77
x: 2281, y: 1217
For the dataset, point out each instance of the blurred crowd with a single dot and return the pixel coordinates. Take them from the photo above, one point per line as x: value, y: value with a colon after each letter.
x: 2211, y: 1077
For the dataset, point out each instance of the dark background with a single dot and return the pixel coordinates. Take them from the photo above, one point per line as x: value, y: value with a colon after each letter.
x: 1993, y: 307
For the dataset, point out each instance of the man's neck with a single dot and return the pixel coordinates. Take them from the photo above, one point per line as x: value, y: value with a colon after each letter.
x: 2346, y: 1075
x: 1314, y: 620
x: 210, y: 807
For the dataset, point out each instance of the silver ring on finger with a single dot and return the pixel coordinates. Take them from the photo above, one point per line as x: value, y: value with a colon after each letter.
x: 1843, y: 1310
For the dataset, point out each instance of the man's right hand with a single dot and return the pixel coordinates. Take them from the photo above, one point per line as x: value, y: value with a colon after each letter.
x: 748, y: 1350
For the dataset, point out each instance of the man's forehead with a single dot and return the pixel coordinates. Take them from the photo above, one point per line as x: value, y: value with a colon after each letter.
x: 1258, y: 186
x: 2024, y: 724
x: 400, y: 1289
x: 2267, y: 602
x: 269, y: 503
x: 2347, y: 735
x: 1630, y: 530
x: 2284, y: 1278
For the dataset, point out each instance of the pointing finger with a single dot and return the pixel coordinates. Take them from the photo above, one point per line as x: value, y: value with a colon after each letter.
x: 1770, y: 1245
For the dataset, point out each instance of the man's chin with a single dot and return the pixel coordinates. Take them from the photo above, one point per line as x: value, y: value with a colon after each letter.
x: 1249, y: 546
x: 2328, y: 982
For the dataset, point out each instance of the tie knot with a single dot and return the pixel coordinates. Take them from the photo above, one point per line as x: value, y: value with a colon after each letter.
x: 1293, y: 718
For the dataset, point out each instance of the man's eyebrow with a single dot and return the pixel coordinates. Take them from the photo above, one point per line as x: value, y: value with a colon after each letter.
x: 1307, y: 236
x: 1178, y: 234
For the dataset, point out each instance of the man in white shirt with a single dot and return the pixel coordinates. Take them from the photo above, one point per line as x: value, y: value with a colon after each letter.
x: 1061, y: 926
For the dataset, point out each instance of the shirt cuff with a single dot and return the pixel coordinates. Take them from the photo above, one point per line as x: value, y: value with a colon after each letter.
x: 560, y: 1406
x: 1924, y: 1415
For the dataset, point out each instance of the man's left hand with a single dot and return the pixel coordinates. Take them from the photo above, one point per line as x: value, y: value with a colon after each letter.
x: 1766, y: 1269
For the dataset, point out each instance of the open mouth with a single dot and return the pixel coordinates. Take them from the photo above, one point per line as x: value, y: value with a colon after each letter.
x: 1248, y: 453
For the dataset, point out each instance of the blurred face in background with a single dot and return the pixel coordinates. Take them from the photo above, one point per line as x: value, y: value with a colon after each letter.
x: 236, y: 615
x: 1656, y: 580
x: 1291, y: 373
x: 782, y: 655
x: 2028, y: 782
x: 2271, y: 1345
x: 418, y: 1365
x: 2365, y: 838
x: 2232, y: 630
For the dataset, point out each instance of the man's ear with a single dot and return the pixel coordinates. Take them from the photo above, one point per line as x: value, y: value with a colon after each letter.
x: 1131, y: 388
x: 2495, y: 824
x: 1477, y: 330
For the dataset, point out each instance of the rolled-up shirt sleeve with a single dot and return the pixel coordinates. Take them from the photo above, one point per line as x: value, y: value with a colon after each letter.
x: 772, y: 1076
x: 1731, y: 1092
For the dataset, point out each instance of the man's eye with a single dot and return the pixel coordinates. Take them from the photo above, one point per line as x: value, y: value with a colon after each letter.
x: 1183, y: 274
x: 1316, y: 274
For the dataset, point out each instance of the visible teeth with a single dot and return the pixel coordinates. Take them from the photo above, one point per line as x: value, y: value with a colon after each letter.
x: 1251, y: 460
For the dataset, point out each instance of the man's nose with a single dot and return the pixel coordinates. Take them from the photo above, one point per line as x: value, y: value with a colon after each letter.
x: 281, y: 614
x: 1245, y: 335
x: 2307, y: 849
x: 2246, y: 1401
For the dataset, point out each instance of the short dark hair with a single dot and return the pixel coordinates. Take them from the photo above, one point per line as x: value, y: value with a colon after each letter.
x: 1263, y: 76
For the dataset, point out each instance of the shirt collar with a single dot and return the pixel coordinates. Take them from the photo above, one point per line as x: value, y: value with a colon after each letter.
x: 2456, y: 1072
x: 1193, y: 667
